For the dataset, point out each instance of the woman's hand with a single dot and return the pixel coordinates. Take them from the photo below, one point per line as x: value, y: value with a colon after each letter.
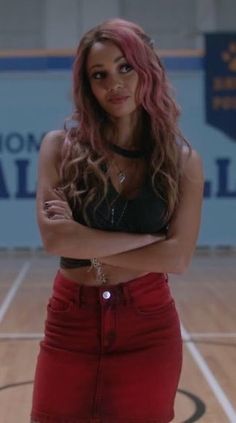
x: 57, y: 209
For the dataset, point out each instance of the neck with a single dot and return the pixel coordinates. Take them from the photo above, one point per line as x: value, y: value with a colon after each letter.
x: 130, y: 153
x: 128, y: 131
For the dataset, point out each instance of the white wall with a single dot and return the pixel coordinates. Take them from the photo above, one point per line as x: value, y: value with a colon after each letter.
x: 226, y: 15
x: 37, y: 24
x: 21, y: 24
x: 170, y: 23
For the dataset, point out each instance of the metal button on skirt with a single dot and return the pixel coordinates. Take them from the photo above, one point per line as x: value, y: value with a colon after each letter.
x: 110, y: 354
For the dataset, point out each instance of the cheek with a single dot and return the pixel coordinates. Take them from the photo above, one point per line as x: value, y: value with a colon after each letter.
x: 133, y: 83
x: 97, y: 91
x: 136, y: 89
x: 94, y: 90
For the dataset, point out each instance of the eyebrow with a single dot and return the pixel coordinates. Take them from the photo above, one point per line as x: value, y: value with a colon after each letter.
x: 99, y: 65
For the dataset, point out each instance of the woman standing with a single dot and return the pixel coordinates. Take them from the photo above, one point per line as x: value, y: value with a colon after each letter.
x: 119, y: 198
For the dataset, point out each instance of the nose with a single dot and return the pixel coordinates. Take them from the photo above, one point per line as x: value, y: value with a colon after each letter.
x: 114, y: 83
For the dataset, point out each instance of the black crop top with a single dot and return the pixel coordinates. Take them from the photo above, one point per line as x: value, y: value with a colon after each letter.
x: 143, y: 214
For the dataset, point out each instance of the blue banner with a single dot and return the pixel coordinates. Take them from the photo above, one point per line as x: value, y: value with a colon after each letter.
x: 220, y: 82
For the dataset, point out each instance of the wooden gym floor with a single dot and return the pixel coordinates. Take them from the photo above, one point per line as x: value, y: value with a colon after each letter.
x: 206, y: 300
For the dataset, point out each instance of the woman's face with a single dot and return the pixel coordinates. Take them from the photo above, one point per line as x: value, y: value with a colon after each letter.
x: 112, y: 79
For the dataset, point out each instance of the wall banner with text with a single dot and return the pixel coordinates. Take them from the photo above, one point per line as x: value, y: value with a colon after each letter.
x: 220, y: 81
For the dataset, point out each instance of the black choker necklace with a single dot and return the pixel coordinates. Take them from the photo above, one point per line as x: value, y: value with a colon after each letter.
x: 133, y: 154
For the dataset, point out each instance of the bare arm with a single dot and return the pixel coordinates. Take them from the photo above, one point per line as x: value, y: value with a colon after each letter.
x: 65, y: 236
x: 173, y: 254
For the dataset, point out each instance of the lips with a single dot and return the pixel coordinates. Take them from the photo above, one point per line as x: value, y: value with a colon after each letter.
x: 117, y: 99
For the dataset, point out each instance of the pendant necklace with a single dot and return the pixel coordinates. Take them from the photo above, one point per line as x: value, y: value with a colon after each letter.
x: 100, y: 275
x: 122, y: 176
x: 124, y: 152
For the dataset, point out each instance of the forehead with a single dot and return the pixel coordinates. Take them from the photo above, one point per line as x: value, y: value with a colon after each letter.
x: 103, y: 52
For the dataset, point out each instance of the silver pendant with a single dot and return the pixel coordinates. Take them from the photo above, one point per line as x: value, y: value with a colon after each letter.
x: 122, y: 177
x: 112, y: 215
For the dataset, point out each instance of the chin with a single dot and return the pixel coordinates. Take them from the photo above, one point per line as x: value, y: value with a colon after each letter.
x: 119, y: 113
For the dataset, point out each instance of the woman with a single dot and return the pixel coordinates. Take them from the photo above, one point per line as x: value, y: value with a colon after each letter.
x: 119, y: 198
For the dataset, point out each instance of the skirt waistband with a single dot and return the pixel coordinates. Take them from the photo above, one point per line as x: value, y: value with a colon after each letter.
x: 122, y: 292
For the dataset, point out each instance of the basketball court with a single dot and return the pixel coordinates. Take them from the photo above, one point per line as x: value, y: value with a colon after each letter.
x: 205, y: 297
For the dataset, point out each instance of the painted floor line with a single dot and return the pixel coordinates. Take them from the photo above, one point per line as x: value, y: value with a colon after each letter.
x: 26, y: 335
x: 12, y: 291
x: 190, y: 337
x: 210, y: 378
x: 212, y: 335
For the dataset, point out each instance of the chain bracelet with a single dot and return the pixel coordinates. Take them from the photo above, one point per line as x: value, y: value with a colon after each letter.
x: 100, y: 275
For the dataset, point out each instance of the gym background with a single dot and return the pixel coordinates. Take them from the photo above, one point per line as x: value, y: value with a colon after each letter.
x: 37, y: 43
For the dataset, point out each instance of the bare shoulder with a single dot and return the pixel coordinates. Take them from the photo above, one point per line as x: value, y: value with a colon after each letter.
x: 53, y: 140
x: 192, y: 164
x: 50, y: 149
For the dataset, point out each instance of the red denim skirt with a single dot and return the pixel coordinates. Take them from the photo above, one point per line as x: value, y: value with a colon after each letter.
x: 110, y: 354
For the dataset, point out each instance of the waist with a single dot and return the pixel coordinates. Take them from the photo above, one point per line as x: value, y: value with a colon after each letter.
x: 66, y: 287
x: 88, y: 276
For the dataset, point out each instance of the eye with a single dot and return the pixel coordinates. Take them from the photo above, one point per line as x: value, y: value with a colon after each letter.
x: 125, y: 68
x: 98, y: 75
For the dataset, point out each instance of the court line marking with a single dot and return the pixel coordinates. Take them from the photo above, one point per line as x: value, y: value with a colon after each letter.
x: 191, y: 335
x: 210, y: 378
x: 212, y: 334
x: 12, y: 291
x: 26, y: 335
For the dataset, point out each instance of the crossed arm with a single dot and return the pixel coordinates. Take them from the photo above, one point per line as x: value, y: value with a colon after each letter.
x: 61, y: 235
x: 173, y: 254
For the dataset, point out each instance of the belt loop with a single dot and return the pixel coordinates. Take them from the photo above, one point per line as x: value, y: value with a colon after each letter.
x: 127, y: 294
x: 118, y: 294
x: 79, y: 296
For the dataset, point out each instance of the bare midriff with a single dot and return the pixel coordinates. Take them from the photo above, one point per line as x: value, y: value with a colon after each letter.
x: 87, y: 275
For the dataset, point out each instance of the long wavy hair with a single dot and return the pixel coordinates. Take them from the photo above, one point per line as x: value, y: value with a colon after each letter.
x: 85, y: 148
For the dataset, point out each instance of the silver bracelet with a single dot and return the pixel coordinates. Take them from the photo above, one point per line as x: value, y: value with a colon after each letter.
x: 100, y: 275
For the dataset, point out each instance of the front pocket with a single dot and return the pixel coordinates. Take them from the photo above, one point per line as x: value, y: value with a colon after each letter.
x: 151, y: 309
x: 59, y: 305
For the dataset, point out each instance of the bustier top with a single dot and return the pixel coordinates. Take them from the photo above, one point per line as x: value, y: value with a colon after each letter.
x: 142, y: 214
